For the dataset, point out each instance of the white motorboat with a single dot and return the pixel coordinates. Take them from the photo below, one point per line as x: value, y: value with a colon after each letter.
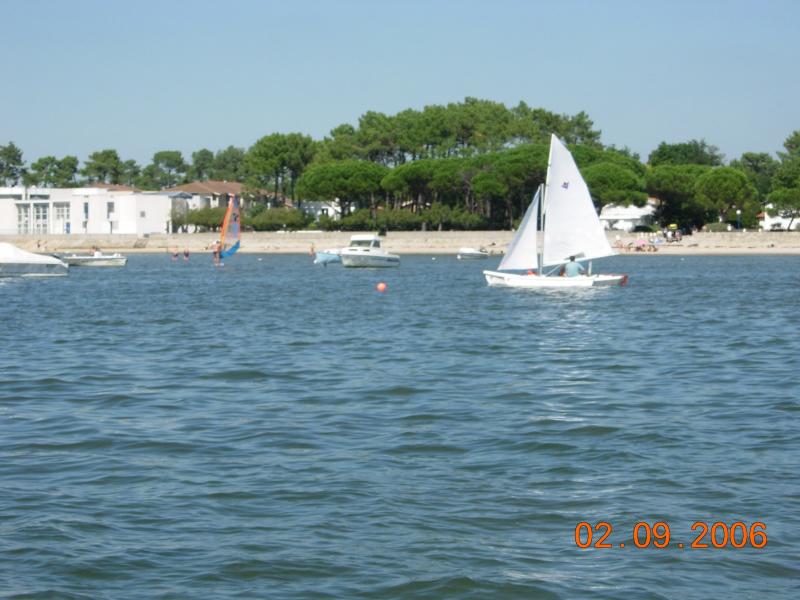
x: 15, y: 262
x: 366, y: 251
x: 96, y: 259
x: 563, y: 211
x: 471, y: 254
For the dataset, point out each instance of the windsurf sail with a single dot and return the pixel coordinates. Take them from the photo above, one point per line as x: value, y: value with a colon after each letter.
x: 231, y: 228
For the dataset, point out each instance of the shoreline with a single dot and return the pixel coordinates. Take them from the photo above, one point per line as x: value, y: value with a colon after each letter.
x: 401, y: 242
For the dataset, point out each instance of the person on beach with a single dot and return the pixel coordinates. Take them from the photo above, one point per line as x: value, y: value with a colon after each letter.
x: 185, y: 254
x: 175, y: 254
x: 572, y: 269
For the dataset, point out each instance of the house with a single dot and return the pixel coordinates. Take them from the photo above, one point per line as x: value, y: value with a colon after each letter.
x: 318, y: 208
x: 770, y: 220
x: 208, y: 194
x: 99, y: 209
x: 627, y: 218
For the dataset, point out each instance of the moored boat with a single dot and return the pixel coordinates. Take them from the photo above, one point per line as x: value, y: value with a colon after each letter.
x: 96, y: 259
x: 366, y: 251
x: 471, y: 254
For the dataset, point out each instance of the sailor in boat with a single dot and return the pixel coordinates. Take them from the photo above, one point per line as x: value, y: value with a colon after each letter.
x: 572, y: 269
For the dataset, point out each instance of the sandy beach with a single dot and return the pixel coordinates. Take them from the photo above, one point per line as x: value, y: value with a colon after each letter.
x: 402, y: 242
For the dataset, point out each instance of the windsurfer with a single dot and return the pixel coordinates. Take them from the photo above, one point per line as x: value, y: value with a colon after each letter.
x: 217, y: 251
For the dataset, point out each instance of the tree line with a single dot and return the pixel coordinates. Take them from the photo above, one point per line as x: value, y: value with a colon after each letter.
x: 469, y: 164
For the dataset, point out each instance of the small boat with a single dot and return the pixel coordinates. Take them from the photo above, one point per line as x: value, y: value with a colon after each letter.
x: 15, y: 262
x: 563, y: 211
x: 366, y: 251
x: 96, y: 259
x: 471, y: 253
x: 326, y: 257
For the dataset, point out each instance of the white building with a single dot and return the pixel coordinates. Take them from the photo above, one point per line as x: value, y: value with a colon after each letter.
x: 772, y: 221
x: 318, y: 208
x: 90, y: 210
x: 627, y: 218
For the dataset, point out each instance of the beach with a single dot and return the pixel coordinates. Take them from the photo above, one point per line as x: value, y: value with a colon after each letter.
x: 403, y: 242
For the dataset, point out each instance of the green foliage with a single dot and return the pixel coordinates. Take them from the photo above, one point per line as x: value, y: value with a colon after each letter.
x: 276, y: 161
x: 723, y: 191
x: 785, y: 202
x: 718, y: 227
x: 787, y: 173
x: 760, y: 169
x: 274, y: 219
x: 326, y: 223
x: 202, y: 165
x: 674, y: 186
x: 353, y: 182
x: 360, y: 220
x: 12, y: 167
x: 611, y: 183
x: 396, y: 219
x: 229, y: 165
x: 169, y: 168
x: 208, y: 218
x: 693, y: 152
x: 792, y: 146
x: 103, y: 166
x: 440, y: 216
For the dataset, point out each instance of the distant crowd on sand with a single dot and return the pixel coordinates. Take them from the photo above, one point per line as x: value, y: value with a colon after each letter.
x: 651, y: 242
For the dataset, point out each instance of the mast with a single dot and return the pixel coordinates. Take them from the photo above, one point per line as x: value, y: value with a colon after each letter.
x: 543, y: 203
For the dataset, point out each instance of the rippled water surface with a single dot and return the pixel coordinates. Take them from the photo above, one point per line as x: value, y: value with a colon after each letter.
x: 272, y: 429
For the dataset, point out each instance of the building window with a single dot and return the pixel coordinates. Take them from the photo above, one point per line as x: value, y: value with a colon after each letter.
x: 61, y: 216
x: 23, y: 218
x: 85, y: 211
x: 324, y: 211
x: 109, y: 210
x: 40, y: 214
x: 141, y: 215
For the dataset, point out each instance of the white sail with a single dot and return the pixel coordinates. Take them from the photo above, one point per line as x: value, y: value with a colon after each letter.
x: 521, y: 253
x: 572, y: 227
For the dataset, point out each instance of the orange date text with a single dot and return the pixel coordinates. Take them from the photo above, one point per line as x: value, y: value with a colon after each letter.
x: 659, y: 535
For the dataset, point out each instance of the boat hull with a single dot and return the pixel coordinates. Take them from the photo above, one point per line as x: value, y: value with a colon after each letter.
x: 366, y: 259
x: 113, y: 260
x: 33, y: 270
x: 499, y: 279
x: 471, y: 254
x: 326, y: 257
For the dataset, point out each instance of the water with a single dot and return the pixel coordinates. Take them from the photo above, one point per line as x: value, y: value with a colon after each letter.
x: 276, y: 429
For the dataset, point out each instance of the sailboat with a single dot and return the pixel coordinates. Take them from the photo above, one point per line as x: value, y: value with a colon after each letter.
x: 563, y: 211
x: 231, y: 229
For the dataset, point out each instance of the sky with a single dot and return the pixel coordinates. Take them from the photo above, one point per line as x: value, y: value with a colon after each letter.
x: 145, y: 76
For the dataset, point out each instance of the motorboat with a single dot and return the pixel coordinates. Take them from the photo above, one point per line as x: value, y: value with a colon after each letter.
x: 15, y: 262
x: 95, y: 259
x: 326, y: 257
x: 366, y: 251
x: 472, y: 253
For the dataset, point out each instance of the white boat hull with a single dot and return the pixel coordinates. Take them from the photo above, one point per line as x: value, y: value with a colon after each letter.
x: 33, y: 270
x: 369, y: 259
x: 16, y: 262
x: 111, y: 260
x: 326, y: 257
x: 500, y: 279
x: 471, y: 254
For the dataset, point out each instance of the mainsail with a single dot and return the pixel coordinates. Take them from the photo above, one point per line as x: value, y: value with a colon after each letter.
x: 571, y: 225
x: 231, y: 228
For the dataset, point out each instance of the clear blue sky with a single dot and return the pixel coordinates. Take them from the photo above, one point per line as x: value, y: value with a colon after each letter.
x: 147, y: 75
